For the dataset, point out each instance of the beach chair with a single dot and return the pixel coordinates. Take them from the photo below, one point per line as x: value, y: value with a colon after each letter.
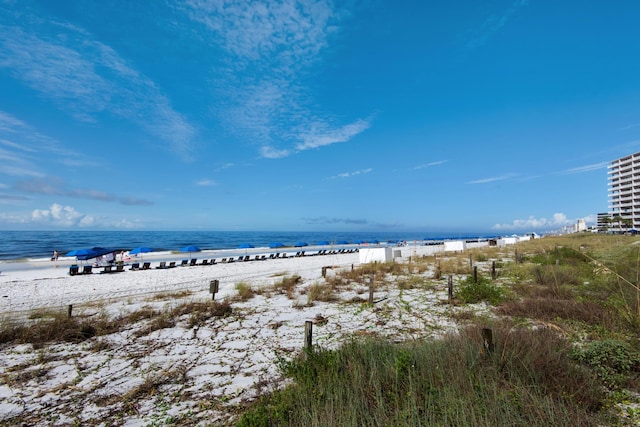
x: 193, y: 262
x: 73, y: 270
x: 146, y: 265
x: 135, y: 266
x: 172, y: 264
x: 213, y: 261
x: 87, y: 269
x: 163, y: 265
x: 107, y: 269
x: 184, y: 263
x: 223, y: 260
x: 119, y: 268
x: 204, y: 262
x: 230, y: 260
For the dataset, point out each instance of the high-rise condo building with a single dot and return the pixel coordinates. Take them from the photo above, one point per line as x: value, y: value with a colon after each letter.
x: 624, y: 192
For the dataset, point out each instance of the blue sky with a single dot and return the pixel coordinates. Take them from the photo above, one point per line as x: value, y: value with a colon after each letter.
x: 466, y: 116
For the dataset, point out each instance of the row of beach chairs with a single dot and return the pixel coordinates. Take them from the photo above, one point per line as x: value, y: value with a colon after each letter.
x: 74, y: 270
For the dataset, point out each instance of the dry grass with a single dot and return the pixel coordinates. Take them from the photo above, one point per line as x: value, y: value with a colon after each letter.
x: 245, y: 291
x: 287, y: 285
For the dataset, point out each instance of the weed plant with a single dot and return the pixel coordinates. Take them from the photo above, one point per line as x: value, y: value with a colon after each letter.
x: 529, y: 380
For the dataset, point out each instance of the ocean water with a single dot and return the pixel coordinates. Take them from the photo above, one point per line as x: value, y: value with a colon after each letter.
x: 15, y: 245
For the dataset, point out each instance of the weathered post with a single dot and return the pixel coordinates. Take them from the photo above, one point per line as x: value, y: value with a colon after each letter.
x: 69, y: 310
x: 308, y: 334
x: 450, y: 287
x: 493, y: 270
x: 475, y: 274
x: 324, y: 272
x: 470, y: 260
x: 487, y: 340
x: 213, y: 288
x: 371, y: 290
x: 516, y: 255
x: 438, y: 271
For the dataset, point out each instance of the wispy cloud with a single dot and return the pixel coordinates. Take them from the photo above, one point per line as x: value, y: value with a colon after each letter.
x: 493, y: 24
x: 57, y: 187
x: 86, y: 77
x: 533, y: 223
x: 270, y: 46
x: 491, y: 179
x: 352, y: 174
x: 325, y: 220
x: 428, y: 165
x: 206, y: 183
x: 635, y: 125
x: 583, y: 169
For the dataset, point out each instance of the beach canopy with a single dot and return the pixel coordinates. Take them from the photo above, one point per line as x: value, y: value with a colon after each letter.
x: 359, y: 242
x: 246, y: 246
x: 343, y: 242
x: 140, y: 250
x: 276, y: 245
x: 190, y: 249
x: 85, y: 254
x: 322, y: 243
x: 300, y: 244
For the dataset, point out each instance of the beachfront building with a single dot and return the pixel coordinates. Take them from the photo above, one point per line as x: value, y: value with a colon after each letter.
x: 624, y: 193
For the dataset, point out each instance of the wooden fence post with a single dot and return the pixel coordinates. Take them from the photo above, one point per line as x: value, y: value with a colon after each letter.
x: 475, y: 274
x: 371, y: 290
x: 308, y: 334
x: 213, y: 288
x: 324, y: 272
x: 493, y: 270
x: 69, y: 310
x: 450, y: 287
x: 470, y: 260
x: 487, y: 340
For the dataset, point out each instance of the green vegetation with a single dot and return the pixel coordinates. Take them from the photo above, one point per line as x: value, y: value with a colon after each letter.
x: 564, y: 352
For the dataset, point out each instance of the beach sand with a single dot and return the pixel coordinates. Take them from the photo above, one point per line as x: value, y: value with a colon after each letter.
x: 192, y: 375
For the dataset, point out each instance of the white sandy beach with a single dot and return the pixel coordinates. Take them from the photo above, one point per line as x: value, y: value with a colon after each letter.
x: 199, y: 373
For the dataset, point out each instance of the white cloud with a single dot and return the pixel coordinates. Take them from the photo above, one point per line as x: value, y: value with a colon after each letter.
x: 493, y: 24
x: 428, y: 165
x: 533, y: 223
x: 61, y: 216
x: 356, y: 173
x: 273, y: 153
x: 587, y: 168
x: 318, y: 137
x: 270, y: 46
x: 85, y: 77
x: 206, y: 183
x: 491, y: 179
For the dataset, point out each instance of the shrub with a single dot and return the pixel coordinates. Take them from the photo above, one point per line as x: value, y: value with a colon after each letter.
x: 613, y: 361
x: 471, y: 292
x: 245, y: 292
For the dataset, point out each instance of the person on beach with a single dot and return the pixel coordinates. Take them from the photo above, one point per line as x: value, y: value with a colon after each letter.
x: 55, y: 255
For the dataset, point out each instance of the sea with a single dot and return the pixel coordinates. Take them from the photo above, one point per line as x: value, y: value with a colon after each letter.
x: 34, y: 245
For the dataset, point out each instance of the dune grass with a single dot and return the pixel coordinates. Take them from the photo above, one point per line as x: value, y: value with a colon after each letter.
x: 564, y: 351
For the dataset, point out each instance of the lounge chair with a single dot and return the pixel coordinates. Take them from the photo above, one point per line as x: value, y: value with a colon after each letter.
x: 184, y: 263
x: 193, y: 262
x: 230, y: 260
x: 204, y: 262
x: 119, y: 268
x: 223, y: 260
x: 213, y: 261
x: 107, y: 269
x: 146, y: 265
x: 135, y: 266
x: 73, y: 270
x: 163, y: 265
x: 172, y: 264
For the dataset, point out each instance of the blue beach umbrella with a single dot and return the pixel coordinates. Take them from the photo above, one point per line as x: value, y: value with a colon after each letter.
x: 322, y: 243
x: 342, y: 242
x: 300, y: 244
x: 359, y: 242
x: 140, y: 250
x: 80, y: 252
x: 246, y: 246
x: 190, y: 249
x: 276, y: 245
